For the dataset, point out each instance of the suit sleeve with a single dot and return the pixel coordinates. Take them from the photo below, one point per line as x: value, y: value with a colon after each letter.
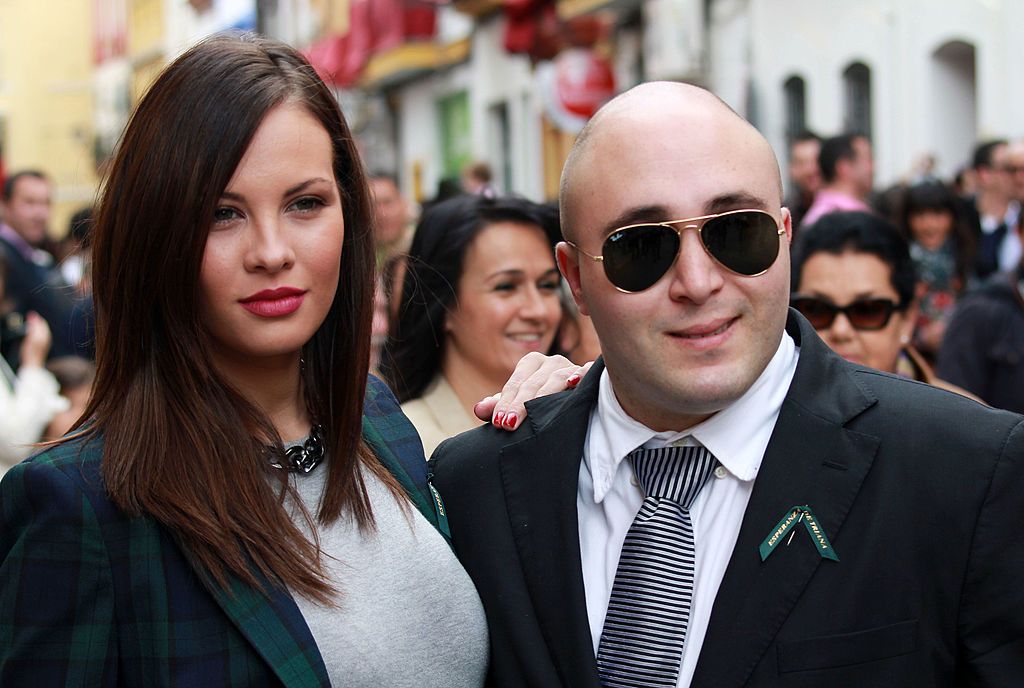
x: 56, y: 597
x: 991, y: 626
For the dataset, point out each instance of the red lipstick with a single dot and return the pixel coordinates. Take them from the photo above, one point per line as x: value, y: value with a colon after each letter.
x: 274, y: 303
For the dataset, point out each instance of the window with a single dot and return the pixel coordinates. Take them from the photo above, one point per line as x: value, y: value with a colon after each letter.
x: 795, y: 93
x: 455, y: 144
x: 857, y: 88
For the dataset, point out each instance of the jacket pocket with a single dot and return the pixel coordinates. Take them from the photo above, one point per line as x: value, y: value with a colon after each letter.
x: 847, y: 649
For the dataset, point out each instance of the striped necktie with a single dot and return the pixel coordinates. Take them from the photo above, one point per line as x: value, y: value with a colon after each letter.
x: 649, y: 609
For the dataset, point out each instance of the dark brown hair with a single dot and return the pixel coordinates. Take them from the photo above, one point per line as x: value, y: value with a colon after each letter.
x: 179, y: 443
x: 434, y: 265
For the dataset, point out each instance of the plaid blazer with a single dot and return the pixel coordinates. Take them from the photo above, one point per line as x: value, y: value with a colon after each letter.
x: 92, y: 597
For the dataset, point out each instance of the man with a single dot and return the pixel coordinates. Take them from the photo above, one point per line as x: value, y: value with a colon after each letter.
x: 33, y: 283
x: 390, y: 217
x: 994, y: 212
x: 477, y: 179
x: 1015, y: 168
x: 804, y: 174
x: 984, y: 341
x: 813, y: 458
x: 848, y: 170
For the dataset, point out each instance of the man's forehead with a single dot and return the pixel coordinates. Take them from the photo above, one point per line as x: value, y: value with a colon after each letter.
x: 665, y: 145
x: 30, y: 186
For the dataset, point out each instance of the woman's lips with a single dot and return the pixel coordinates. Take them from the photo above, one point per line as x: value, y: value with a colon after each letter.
x: 528, y: 340
x: 274, y: 303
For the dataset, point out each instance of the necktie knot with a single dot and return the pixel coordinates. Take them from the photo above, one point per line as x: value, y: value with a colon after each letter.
x: 673, y: 473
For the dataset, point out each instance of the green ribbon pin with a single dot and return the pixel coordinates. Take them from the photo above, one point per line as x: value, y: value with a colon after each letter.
x: 794, y: 516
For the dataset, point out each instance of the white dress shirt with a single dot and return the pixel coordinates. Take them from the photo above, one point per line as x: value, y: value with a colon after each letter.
x: 1010, y: 250
x: 609, y: 497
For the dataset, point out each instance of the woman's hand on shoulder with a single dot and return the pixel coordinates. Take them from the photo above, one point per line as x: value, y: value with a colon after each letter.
x: 536, y: 375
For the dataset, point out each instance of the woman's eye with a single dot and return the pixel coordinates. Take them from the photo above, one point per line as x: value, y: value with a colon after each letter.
x: 307, y: 204
x: 505, y: 286
x: 552, y: 284
x: 225, y: 214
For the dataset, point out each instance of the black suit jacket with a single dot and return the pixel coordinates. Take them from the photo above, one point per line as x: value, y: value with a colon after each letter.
x: 33, y: 287
x: 920, y: 490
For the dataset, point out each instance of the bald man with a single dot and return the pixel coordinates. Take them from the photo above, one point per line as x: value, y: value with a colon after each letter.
x: 723, y: 501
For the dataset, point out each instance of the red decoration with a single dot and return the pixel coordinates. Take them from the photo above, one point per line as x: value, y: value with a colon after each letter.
x: 374, y: 26
x: 583, y: 81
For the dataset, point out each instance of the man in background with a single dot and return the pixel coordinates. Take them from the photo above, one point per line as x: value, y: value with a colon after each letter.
x: 994, y: 213
x: 804, y: 174
x: 848, y: 170
x: 392, y: 233
x: 33, y: 281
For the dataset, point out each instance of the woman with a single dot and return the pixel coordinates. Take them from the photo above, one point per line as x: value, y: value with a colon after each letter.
x: 941, y: 250
x: 481, y: 290
x: 853, y: 279
x: 184, y: 534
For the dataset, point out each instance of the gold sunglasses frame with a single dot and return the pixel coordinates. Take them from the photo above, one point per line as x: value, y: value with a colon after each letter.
x: 696, y: 223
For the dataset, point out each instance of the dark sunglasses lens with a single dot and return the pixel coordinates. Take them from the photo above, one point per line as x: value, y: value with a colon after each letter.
x: 870, y: 315
x: 747, y: 243
x: 637, y: 257
x: 818, y: 313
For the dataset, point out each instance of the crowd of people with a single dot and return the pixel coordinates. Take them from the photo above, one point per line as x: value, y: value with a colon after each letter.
x: 237, y: 491
x: 962, y: 294
x: 45, y: 318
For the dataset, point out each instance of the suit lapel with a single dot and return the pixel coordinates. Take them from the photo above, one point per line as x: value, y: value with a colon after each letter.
x: 813, y: 460
x: 540, y: 476
x: 277, y: 630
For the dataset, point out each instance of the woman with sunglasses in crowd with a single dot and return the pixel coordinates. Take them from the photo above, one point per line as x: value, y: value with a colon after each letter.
x: 240, y: 505
x: 481, y: 290
x: 854, y: 280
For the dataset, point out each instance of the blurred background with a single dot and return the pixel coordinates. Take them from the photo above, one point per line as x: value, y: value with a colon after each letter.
x: 431, y: 85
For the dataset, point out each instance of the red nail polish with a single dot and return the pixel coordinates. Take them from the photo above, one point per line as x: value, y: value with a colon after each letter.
x: 499, y: 419
x: 511, y: 420
x: 573, y: 380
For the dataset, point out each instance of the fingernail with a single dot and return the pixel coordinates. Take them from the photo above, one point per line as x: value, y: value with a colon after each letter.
x: 573, y: 380
x: 511, y: 420
x: 499, y: 419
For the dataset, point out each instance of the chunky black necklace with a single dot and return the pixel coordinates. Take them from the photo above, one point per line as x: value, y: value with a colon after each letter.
x: 303, y: 458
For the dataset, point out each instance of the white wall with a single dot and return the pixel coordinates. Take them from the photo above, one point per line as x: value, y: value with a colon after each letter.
x: 817, y: 39
x: 490, y: 77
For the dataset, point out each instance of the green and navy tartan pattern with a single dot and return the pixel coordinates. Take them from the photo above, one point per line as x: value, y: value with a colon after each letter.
x: 396, y: 443
x: 90, y: 597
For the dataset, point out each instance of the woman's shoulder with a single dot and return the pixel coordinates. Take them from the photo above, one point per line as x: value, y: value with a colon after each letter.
x: 77, y: 458
x: 68, y: 471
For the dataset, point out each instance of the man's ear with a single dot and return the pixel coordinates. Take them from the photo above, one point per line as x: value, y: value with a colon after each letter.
x: 569, y: 265
x: 787, y: 224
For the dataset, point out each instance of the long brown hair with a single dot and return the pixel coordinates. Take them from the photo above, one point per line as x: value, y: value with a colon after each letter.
x: 179, y: 443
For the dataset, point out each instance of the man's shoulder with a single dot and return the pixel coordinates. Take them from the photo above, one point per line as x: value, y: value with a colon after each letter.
x: 478, y: 448
x: 907, y: 407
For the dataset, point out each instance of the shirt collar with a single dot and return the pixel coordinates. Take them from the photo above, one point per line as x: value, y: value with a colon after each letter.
x: 737, y: 435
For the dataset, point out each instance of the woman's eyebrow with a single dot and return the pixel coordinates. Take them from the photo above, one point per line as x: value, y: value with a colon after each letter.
x: 231, y: 196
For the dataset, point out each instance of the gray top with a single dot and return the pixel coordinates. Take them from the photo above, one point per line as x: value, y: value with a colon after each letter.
x: 408, y: 614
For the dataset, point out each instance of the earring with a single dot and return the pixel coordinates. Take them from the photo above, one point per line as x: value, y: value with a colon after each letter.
x: 904, y: 339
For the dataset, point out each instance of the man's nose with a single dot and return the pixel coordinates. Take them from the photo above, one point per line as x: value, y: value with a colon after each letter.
x: 695, y: 275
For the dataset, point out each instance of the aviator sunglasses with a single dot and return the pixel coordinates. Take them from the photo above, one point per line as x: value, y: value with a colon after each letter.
x: 635, y: 257
x: 866, y: 314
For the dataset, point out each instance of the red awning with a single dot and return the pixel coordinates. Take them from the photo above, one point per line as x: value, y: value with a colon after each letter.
x: 373, y: 27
